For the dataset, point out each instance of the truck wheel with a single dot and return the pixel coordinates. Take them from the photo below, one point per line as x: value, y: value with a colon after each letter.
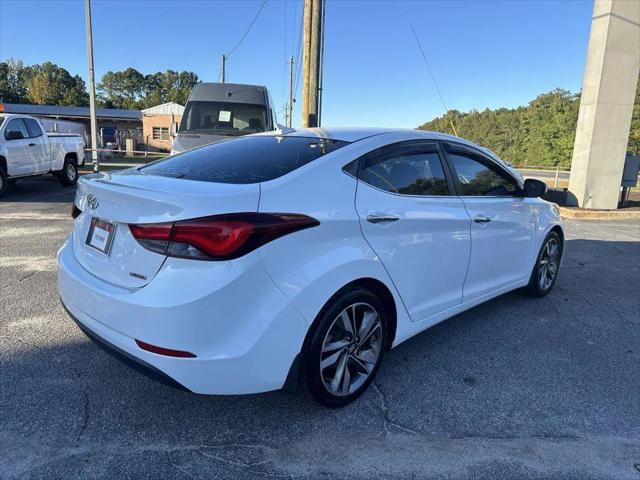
x: 69, y: 174
x: 3, y: 182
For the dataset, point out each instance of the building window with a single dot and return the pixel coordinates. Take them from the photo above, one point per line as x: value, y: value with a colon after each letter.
x: 161, y: 133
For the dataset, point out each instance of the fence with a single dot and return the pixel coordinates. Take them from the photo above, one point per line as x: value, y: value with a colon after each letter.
x: 124, y: 158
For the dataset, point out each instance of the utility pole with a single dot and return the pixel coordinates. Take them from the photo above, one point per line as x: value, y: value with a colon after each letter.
x: 224, y: 61
x: 312, y: 58
x: 290, y: 104
x: 92, y: 91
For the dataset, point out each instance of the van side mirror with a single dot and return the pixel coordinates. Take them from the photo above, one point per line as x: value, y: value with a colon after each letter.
x: 534, y: 188
x: 14, y: 135
x: 174, y: 129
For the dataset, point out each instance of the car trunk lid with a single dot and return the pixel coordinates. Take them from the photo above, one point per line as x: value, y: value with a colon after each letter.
x: 110, y: 202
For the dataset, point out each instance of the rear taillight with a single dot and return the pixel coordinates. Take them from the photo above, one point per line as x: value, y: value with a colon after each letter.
x: 75, y: 211
x: 221, y: 237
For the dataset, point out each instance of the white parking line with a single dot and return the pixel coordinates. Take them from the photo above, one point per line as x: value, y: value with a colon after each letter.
x: 35, y: 216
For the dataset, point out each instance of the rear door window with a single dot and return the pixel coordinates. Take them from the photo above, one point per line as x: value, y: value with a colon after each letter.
x: 244, y: 160
x: 410, y: 169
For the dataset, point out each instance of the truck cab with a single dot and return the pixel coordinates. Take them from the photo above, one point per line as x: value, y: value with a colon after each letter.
x: 27, y: 150
x: 219, y: 111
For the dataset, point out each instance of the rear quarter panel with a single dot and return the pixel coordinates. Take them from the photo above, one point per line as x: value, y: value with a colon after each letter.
x: 311, y: 265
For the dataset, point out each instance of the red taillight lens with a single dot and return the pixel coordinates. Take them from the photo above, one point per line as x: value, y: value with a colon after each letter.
x: 221, y: 237
x: 75, y: 211
x: 215, y: 238
x: 168, y: 352
x: 154, y: 237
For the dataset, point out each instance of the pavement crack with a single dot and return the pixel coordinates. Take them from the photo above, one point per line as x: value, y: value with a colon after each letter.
x: 385, y: 414
x: 508, y: 438
x: 588, y: 301
x: 22, y: 279
x: 21, y: 340
x: 178, y: 467
x: 85, y: 418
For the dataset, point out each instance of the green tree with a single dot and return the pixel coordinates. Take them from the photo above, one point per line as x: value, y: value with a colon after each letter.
x: 13, y: 77
x: 169, y: 86
x: 49, y: 84
x: 634, y: 133
x: 124, y: 89
x: 541, y: 133
x: 132, y: 90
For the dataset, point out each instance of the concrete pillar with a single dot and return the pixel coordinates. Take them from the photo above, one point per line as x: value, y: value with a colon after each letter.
x: 606, y: 105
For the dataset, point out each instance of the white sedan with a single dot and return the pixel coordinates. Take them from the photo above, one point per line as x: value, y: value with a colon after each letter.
x: 299, y: 258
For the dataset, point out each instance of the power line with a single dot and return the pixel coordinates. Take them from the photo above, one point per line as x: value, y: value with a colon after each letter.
x: 284, y: 66
x: 298, y: 62
x: 433, y: 77
x: 248, y: 29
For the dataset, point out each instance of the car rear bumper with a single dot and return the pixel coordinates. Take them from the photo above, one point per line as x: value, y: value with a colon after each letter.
x: 245, y: 333
x: 126, y: 358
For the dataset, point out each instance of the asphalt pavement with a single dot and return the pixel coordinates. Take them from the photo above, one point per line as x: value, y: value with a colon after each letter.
x: 515, y: 388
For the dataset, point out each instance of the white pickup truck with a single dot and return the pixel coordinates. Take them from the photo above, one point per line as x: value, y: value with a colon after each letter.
x: 26, y: 150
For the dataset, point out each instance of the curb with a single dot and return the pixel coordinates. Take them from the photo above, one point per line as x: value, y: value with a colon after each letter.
x: 579, y: 214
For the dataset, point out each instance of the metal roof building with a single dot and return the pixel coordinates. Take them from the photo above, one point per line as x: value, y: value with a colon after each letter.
x: 55, y: 111
x: 169, y: 108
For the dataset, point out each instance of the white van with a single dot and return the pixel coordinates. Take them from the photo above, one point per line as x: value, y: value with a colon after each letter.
x: 218, y: 111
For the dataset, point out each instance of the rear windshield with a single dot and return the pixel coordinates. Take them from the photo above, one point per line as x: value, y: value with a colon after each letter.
x: 244, y: 160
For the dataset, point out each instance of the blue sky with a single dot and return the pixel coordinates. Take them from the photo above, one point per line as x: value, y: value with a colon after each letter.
x: 484, y: 54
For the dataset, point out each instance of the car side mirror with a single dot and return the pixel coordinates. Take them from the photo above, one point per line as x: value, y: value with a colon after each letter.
x: 174, y: 129
x: 534, y: 188
x: 14, y: 135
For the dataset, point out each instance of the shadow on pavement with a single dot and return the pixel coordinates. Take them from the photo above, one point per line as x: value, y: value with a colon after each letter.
x: 45, y: 189
x: 508, y: 388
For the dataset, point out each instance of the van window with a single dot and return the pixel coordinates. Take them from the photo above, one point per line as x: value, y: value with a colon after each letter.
x: 244, y: 160
x: 223, y: 118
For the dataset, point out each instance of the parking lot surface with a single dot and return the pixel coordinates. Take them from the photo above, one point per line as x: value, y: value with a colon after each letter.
x: 515, y: 388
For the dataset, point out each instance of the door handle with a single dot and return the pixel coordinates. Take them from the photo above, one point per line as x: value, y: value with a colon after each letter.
x: 481, y: 219
x: 382, y: 217
x: 32, y: 144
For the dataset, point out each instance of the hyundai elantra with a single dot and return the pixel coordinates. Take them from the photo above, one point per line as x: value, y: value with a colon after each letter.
x: 297, y: 258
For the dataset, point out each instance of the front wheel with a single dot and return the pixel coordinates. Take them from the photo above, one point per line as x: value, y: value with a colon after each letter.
x: 69, y: 174
x: 346, y: 348
x: 545, y: 271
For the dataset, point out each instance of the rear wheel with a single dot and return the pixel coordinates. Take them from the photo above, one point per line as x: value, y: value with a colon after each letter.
x: 69, y: 174
x: 545, y: 271
x: 346, y: 348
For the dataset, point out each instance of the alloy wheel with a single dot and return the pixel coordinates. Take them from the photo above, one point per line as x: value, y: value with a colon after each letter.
x: 549, y: 262
x: 351, y: 349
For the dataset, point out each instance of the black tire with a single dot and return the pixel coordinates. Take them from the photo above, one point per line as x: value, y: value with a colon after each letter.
x: 3, y: 182
x: 68, y: 176
x: 312, y: 378
x: 534, y: 288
